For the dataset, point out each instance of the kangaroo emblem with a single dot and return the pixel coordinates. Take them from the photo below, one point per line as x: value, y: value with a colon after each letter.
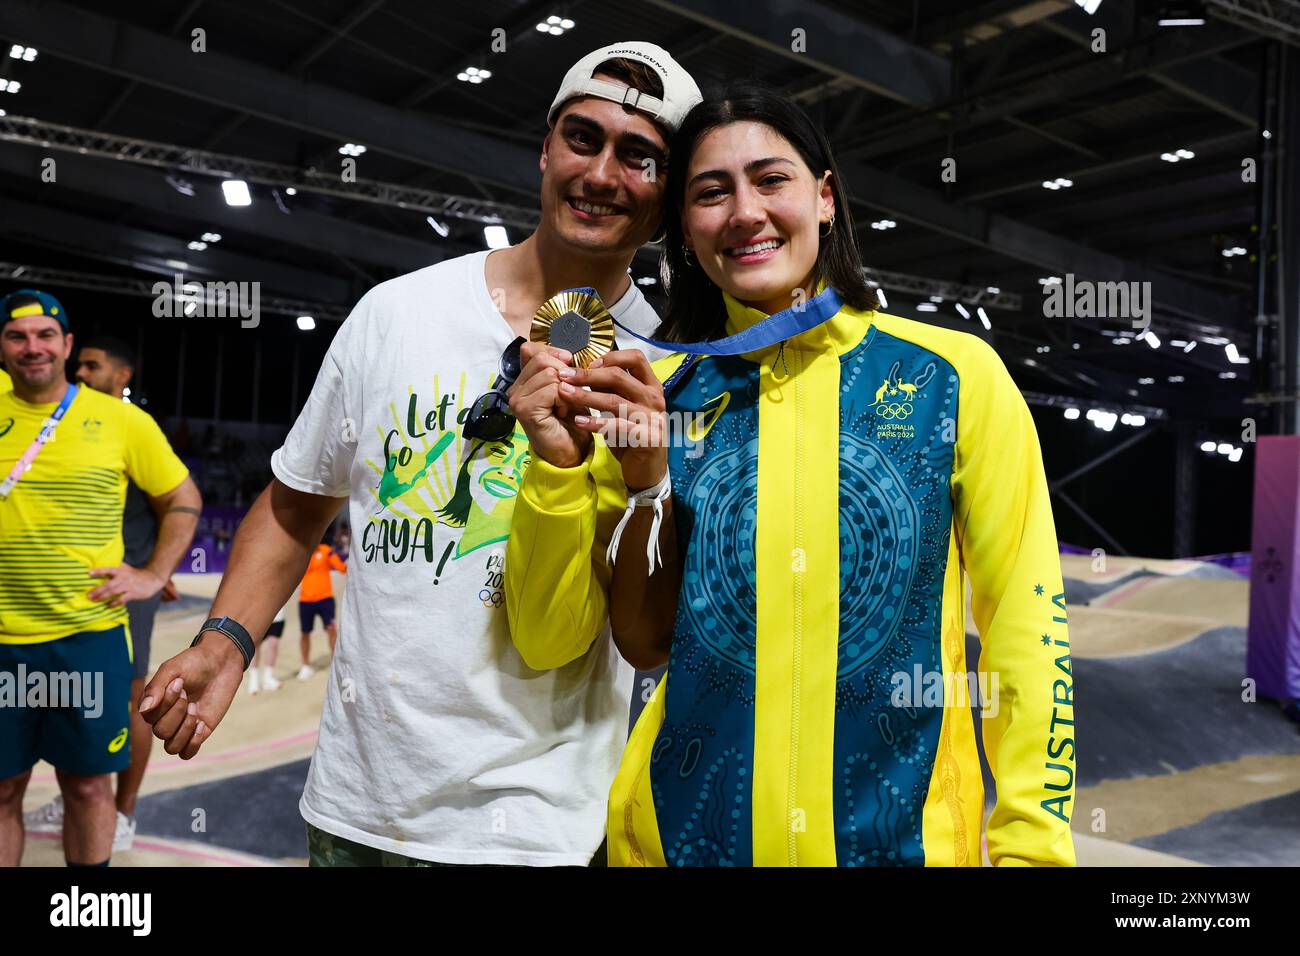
x: 894, y: 384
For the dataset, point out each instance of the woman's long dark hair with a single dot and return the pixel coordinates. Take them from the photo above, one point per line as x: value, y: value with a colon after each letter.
x: 695, y: 308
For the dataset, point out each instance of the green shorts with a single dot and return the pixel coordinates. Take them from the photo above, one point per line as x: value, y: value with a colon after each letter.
x: 67, y: 702
x: 326, y: 849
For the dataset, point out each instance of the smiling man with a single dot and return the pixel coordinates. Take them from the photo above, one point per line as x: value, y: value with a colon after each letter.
x: 64, y: 584
x: 438, y: 744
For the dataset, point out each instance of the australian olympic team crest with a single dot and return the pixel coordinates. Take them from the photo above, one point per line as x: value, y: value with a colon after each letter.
x: 896, y: 399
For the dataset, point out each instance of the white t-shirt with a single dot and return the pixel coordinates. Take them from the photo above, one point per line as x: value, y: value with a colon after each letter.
x: 436, y: 740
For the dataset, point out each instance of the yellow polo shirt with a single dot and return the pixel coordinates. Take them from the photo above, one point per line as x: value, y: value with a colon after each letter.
x: 65, y: 515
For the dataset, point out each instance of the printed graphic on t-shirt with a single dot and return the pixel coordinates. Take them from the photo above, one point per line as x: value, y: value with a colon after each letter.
x: 430, y: 477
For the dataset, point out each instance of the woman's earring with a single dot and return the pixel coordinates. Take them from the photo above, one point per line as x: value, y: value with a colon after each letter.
x: 687, y: 255
x: 830, y: 227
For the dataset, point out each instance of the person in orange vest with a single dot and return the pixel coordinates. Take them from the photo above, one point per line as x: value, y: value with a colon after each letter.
x: 316, y: 598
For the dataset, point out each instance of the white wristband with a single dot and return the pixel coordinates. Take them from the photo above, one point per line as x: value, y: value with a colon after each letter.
x: 652, y: 497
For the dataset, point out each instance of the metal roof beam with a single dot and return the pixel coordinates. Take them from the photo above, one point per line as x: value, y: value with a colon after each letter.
x: 837, y: 43
x: 145, y: 188
x: 78, y: 34
x: 1214, y: 83
x: 906, y: 200
x: 149, y: 251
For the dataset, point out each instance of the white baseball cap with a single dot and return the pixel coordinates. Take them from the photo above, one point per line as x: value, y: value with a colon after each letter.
x: 680, y: 91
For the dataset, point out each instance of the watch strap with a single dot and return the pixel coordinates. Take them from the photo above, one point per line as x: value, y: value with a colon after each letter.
x: 233, y: 630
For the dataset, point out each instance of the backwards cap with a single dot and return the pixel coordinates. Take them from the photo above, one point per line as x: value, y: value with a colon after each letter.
x: 25, y: 302
x: 680, y: 91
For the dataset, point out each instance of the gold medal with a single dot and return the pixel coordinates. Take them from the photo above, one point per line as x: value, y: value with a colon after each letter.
x: 576, y: 321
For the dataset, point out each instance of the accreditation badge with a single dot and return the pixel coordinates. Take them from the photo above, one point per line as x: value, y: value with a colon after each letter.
x: 576, y: 321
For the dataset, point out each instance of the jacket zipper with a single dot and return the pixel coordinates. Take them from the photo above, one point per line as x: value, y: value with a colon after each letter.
x: 798, y: 614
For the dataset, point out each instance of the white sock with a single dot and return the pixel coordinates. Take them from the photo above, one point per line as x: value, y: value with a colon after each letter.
x: 266, y: 673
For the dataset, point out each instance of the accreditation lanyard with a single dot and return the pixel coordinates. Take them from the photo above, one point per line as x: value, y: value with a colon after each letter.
x: 24, y: 464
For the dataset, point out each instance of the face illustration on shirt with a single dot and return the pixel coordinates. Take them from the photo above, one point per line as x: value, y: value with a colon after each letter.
x: 489, y: 479
x: 499, y: 472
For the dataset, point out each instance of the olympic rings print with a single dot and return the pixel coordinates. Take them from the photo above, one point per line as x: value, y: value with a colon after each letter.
x: 898, y: 410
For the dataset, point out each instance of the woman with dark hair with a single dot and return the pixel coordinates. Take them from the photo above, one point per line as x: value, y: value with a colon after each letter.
x: 798, y: 559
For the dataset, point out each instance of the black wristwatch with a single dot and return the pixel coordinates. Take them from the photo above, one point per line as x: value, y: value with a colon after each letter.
x: 233, y: 630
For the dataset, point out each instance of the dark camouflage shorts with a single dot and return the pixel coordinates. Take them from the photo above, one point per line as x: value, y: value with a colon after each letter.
x: 326, y: 849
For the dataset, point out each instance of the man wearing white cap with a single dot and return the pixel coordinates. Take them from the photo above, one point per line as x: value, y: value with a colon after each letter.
x: 438, y: 744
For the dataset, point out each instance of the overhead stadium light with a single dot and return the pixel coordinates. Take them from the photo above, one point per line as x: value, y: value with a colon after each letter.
x: 306, y: 323
x: 1089, y: 6
x: 496, y: 237
x: 984, y: 318
x: 1103, y: 420
x: 236, y: 192
x: 555, y: 26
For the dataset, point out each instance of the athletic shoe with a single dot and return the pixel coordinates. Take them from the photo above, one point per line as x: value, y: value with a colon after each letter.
x: 124, y: 836
x: 306, y: 672
x: 46, y: 819
x: 270, y: 683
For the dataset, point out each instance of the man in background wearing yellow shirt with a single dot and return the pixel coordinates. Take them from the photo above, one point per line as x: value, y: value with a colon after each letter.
x: 108, y: 365
x: 65, y: 651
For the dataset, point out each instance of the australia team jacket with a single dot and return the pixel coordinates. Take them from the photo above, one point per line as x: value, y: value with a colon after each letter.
x: 831, y: 498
